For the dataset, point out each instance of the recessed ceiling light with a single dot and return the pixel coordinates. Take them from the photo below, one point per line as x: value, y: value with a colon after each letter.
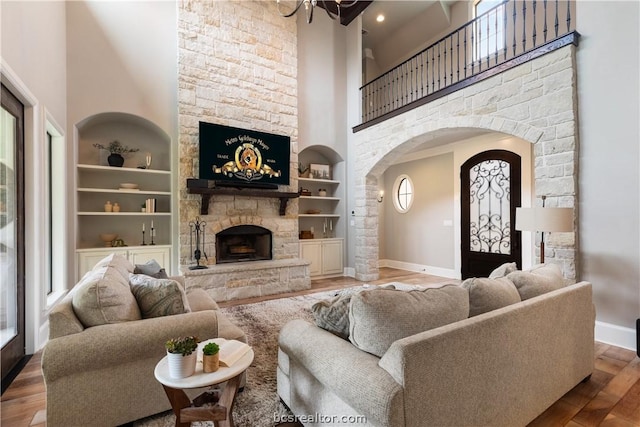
x: 380, y: 18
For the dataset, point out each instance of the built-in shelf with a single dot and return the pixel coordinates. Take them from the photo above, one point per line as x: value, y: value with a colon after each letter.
x: 122, y: 169
x: 325, y: 181
x: 320, y: 198
x: 126, y: 213
x: 119, y: 191
x: 320, y: 215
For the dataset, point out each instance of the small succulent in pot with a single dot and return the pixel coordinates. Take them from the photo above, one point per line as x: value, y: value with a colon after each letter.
x: 210, y: 349
x: 182, y: 345
x: 116, y: 147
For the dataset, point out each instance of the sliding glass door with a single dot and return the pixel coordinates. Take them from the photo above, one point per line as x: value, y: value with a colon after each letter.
x: 12, y: 337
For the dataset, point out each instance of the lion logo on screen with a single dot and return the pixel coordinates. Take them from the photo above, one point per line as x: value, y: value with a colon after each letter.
x: 247, y: 165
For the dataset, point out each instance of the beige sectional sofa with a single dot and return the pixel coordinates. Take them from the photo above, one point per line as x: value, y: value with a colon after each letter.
x: 98, y: 363
x: 501, y: 367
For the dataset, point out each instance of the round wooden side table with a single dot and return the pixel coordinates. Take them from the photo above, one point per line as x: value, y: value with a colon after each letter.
x: 184, y: 408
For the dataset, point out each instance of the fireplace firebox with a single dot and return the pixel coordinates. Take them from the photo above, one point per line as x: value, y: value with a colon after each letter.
x: 243, y: 243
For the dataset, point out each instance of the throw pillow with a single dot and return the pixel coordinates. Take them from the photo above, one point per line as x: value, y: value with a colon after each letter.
x: 503, y: 270
x: 151, y: 268
x: 537, y: 281
x: 158, y: 297
x: 103, y: 296
x: 490, y: 294
x: 119, y: 262
x: 333, y: 315
x: 377, y: 319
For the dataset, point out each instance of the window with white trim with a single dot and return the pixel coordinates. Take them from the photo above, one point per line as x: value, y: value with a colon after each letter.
x: 403, y: 193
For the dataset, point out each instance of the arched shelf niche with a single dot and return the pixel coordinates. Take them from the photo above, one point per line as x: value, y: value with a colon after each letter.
x: 97, y: 183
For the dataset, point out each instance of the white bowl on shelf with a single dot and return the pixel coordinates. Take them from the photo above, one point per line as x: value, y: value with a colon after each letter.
x: 128, y: 186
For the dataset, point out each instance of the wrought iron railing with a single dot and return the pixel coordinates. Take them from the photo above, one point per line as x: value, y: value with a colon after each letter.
x: 510, y: 30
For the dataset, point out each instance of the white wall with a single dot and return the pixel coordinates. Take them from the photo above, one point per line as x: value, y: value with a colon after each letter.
x: 322, y: 83
x: 33, y: 51
x: 418, y: 236
x: 122, y: 56
x: 608, y: 74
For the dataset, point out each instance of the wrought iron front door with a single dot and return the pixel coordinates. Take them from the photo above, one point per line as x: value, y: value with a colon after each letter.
x: 489, y: 194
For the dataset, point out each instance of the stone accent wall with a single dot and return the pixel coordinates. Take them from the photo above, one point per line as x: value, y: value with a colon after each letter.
x: 536, y: 101
x: 237, y: 66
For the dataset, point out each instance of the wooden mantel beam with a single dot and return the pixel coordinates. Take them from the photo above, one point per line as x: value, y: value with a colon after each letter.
x: 194, y: 186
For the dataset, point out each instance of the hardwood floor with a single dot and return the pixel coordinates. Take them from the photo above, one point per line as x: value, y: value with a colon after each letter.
x: 611, y: 398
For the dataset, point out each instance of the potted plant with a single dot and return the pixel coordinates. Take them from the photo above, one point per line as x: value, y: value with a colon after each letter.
x: 181, y: 354
x: 210, y: 357
x: 116, y: 150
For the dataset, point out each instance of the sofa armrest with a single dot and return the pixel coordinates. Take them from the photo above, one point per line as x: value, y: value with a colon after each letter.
x: 343, y: 368
x: 119, y: 343
x: 200, y: 300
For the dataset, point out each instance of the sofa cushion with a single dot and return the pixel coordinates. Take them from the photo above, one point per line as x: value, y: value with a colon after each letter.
x: 537, y: 281
x: 117, y: 261
x: 333, y: 315
x: 490, y: 294
x: 377, y: 319
x: 503, y: 270
x: 103, y: 296
x: 158, y: 297
x: 151, y: 268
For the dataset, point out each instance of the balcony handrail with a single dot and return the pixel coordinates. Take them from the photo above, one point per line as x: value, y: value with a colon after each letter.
x: 500, y: 35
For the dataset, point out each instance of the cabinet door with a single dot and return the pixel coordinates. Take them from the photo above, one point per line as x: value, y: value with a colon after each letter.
x: 332, y: 257
x: 312, y: 252
x: 87, y: 260
x: 161, y: 255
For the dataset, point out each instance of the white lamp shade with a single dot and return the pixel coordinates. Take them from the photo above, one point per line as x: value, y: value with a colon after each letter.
x: 554, y: 219
x: 525, y: 219
x: 544, y: 219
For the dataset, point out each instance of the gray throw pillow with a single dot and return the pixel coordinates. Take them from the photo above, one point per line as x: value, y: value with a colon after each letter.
x: 490, y: 294
x: 333, y: 315
x: 158, y: 297
x: 503, y: 270
x: 151, y: 268
x: 377, y: 319
x: 537, y: 281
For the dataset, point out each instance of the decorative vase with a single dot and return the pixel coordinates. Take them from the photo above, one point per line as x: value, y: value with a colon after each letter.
x: 116, y: 207
x: 322, y: 193
x: 116, y: 160
x: 181, y: 366
x: 210, y: 362
x: 108, y: 207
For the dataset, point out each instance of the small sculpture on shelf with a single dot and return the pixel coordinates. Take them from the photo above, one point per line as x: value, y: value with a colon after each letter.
x: 116, y: 150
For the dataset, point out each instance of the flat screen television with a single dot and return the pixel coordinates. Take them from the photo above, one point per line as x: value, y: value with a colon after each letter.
x: 234, y: 156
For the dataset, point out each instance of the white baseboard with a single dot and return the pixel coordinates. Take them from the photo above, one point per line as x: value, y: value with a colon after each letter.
x: 419, y: 268
x: 615, y: 335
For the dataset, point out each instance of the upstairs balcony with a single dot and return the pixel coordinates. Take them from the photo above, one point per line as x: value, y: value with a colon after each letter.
x: 510, y: 34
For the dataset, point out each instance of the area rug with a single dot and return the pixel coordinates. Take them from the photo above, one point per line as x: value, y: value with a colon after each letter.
x: 258, y: 404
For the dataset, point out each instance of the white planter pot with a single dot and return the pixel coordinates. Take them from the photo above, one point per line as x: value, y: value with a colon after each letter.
x: 181, y: 366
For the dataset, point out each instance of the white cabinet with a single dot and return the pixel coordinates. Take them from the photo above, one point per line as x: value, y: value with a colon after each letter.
x: 325, y: 256
x: 87, y: 258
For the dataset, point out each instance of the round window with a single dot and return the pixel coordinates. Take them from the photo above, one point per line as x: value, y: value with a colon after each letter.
x: 403, y: 193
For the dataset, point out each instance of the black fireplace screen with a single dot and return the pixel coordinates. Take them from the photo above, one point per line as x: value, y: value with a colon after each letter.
x: 243, y: 243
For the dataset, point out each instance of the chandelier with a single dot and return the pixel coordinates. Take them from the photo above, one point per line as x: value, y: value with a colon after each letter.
x: 309, y: 6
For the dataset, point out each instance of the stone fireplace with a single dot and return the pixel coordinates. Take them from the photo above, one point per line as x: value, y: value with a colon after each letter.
x: 243, y: 243
x: 229, y: 73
